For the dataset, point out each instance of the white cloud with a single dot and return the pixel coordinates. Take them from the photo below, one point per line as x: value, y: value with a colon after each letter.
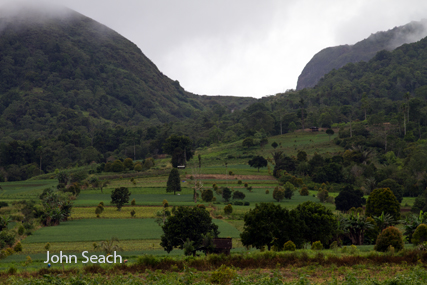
x: 243, y: 47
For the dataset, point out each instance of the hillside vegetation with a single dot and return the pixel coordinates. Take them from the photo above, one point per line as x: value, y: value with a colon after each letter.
x: 336, y: 57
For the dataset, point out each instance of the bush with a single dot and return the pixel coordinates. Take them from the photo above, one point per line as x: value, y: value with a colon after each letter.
x: 420, y: 235
x: 289, y: 246
x: 267, y: 191
x: 223, y: 275
x: 239, y: 182
x: 21, y: 230
x: 304, y: 191
x: 207, y: 195
x: 383, y: 200
x: 18, y: 247
x: 132, y: 213
x: 201, y: 206
x: 238, y: 203
x: 278, y: 194
x: 246, y: 204
x: 323, y: 195
x: 133, y: 202
x: 317, y: 245
x: 8, y: 237
x: 165, y: 203
x: 389, y: 236
x: 101, y: 203
x: 47, y: 246
x: 228, y: 209
x: 238, y: 195
x: 334, y: 245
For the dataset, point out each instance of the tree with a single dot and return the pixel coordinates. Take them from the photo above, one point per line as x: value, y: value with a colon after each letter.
x: 120, y: 196
x: 289, y: 190
x: 382, y: 200
x: 174, y: 181
x: 330, y: 132
x: 117, y: 166
x: 187, y: 223
x: 302, y: 103
x: 258, y: 162
x: 394, y: 187
x: 128, y: 163
x: 271, y: 225
x: 349, y: 198
x: 320, y: 222
x: 226, y: 194
x: 356, y: 227
x: 237, y: 195
x: 248, y: 142
x: 278, y: 193
x: 274, y: 145
x: 180, y: 148
x: 207, y: 195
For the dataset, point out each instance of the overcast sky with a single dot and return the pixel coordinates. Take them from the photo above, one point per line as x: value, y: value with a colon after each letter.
x: 243, y: 47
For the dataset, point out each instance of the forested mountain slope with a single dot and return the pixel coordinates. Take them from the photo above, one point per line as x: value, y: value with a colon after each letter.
x: 58, y: 67
x: 336, y: 57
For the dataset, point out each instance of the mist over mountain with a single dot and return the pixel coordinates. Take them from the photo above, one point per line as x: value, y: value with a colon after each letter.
x: 336, y: 57
x: 59, y: 68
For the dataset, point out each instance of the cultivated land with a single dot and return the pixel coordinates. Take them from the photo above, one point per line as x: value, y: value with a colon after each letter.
x: 140, y: 235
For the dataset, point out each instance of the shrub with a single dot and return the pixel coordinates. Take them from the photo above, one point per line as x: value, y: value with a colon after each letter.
x: 133, y: 202
x: 323, y: 195
x: 207, y: 195
x: 304, y: 191
x: 239, y: 182
x: 382, y: 200
x: 223, y: 275
x: 101, y: 203
x: 165, y: 203
x: 238, y: 203
x: 201, y: 206
x: 278, y: 194
x: 389, y: 236
x: 228, y: 209
x: 317, y: 245
x: 267, y: 191
x: 99, y: 210
x: 238, y: 195
x: 334, y: 245
x: 18, y: 247
x: 137, y: 167
x: 132, y: 213
x: 420, y: 235
x: 353, y: 249
x: 246, y: 204
x: 289, y: 246
x: 21, y: 230
x: 47, y: 246
x: 246, y: 185
x: 8, y: 237
x: 148, y: 260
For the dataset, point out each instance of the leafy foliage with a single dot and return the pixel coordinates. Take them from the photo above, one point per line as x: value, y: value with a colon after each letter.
x: 187, y: 223
x: 382, y: 200
x: 120, y: 196
x: 390, y: 236
x: 174, y: 182
x: 271, y: 225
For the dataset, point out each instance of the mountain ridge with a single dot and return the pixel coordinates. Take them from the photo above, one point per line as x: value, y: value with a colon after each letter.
x: 336, y: 57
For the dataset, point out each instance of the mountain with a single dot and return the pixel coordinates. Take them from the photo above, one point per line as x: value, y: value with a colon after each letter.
x: 336, y: 57
x: 61, y: 69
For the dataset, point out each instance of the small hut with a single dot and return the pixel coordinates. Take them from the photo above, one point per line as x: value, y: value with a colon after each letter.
x: 314, y: 129
x: 222, y: 245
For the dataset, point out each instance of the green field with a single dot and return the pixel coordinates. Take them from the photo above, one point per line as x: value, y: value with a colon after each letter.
x: 104, y: 229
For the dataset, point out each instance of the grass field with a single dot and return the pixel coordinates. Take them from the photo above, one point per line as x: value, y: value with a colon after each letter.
x: 104, y: 229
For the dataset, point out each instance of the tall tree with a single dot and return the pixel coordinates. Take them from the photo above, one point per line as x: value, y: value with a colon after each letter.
x: 180, y: 148
x: 174, y: 182
x: 302, y: 103
x: 258, y: 162
x: 187, y: 223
